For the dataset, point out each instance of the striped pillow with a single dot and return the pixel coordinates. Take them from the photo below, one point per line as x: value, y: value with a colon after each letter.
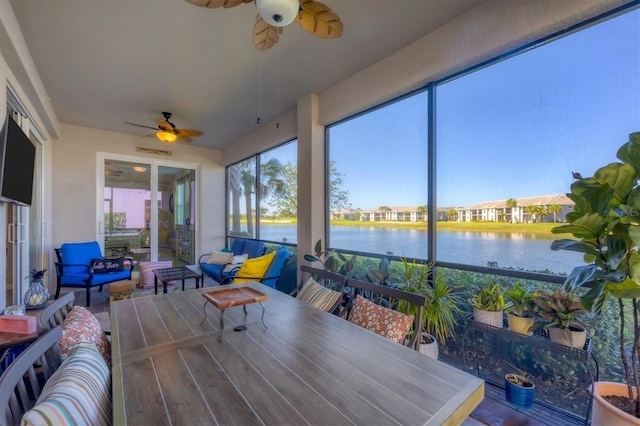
x: 318, y: 296
x: 79, y: 392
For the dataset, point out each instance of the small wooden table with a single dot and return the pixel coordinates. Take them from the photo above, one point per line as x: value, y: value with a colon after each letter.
x: 230, y: 297
x: 165, y: 275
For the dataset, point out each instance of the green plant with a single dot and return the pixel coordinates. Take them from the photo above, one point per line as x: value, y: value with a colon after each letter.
x: 519, y: 300
x: 443, y: 302
x: 489, y: 298
x: 605, y: 224
x: 558, y: 309
x: 328, y: 260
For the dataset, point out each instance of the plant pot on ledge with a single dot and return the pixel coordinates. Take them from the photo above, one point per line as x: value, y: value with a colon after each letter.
x: 605, y: 413
x: 575, y: 337
x: 519, y: 390
x: 520, y: 325
x: 492, y: 318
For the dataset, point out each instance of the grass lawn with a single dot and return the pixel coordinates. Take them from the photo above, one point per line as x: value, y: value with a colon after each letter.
x: 528, y: 228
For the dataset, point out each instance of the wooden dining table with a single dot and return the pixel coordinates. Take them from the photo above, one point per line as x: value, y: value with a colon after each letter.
x: 306, y: 367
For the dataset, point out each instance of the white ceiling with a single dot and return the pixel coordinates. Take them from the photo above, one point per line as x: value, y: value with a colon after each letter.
x: 105, y: 62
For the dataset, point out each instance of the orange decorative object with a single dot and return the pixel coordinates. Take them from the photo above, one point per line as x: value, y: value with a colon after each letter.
x: 21, y: 324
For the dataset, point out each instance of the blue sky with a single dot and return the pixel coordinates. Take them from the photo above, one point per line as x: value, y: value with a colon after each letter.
x: 514, y: 129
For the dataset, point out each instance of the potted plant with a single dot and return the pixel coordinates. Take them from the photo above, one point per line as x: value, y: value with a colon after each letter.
x: 605, y: 224
x: 488, y: 304
x: 519, y: 390
x: 329, y: 262
x: 560, y: 311
x: 441, y: 309
x: 519, y: 307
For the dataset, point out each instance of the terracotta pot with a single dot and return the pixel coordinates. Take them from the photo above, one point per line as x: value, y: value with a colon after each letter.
x: 603, y: 413
x: 520, y: 395
x: 577, y: 340
x: 429, y: 346
x: 520, y: 324
x: 492, y: 318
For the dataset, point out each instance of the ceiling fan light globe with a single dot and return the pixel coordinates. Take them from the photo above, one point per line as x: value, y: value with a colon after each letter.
x: 166, y: 136
x: 278, y: 13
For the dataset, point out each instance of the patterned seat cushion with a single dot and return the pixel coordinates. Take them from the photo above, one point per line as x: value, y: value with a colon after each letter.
x: 318, y: 296
x: 79, y: 392
x: 81, y: 326
x: 384, y: 321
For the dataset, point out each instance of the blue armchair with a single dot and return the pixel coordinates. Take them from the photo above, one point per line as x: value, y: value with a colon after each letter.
x: 272, y: 274
x: 74, y: 268
x: 253, y: 248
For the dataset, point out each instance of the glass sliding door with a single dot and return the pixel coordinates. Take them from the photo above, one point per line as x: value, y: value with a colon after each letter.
x: 149, y: 209
x: 176, y: 214
x: 127, y: 209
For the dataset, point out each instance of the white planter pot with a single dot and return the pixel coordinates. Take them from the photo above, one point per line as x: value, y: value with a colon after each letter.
x: 519, y: 324
x: 429, y: 349
x: 578, y: 336
x: 603, y: 413
x: 492, y: 318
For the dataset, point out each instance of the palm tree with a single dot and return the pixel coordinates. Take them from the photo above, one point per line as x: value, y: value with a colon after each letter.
x: 452, y: 214
x: 511, y: 203
x: 555, y: 209
x: 242, y: 181
x: 422, y: 211
x: 383, y: 211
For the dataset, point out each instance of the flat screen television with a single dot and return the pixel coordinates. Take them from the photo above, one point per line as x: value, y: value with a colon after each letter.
x: 17, y: 163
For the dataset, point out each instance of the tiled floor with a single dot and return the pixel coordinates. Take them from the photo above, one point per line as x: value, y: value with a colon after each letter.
x: 494, y: 409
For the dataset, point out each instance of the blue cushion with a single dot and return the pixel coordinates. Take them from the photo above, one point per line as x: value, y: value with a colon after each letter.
x: 81, y: 279
x: 238, y: 246
x: 253, y: 248
x: 276, y: 267
x: 211, y: 270
x: 79, y: 254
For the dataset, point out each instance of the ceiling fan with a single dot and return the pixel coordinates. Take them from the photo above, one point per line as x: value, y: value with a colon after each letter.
x: 313, y: 16
x: 168, y: 132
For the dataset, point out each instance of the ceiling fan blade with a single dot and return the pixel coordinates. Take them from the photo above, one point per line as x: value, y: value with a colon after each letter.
x: 165, y: 125
x: 318, y: 19
x: 142, y: 125
x: 214, y: 4
x: 265, y: 35
x: 183, y: 139
x: 188, y: 133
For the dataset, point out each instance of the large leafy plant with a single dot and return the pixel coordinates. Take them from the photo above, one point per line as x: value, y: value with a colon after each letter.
x: 605, y: 224
x: 442, y: 308
x: 519, y: 300
x: 331, y: 260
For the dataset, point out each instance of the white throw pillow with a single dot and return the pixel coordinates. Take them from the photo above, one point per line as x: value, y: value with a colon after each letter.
x: 220, y: 258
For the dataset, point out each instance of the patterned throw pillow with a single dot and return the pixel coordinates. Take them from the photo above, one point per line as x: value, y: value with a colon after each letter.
x: 81, y: 326
x: 318, y: 296
x: 388, y: 323
x: 79, y: 392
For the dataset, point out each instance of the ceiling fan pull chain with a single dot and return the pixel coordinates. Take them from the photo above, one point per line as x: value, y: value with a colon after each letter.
x: 259, y: 120
x: 277, y: 93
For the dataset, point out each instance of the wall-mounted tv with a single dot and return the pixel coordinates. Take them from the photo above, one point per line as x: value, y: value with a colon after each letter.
x: 17, y: 163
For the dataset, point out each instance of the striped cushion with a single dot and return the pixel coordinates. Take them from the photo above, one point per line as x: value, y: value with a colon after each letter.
x: 79, y: 392
x: 316, y: 295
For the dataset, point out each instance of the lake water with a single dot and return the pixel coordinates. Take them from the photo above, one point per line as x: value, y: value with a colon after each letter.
x: 526, y: 251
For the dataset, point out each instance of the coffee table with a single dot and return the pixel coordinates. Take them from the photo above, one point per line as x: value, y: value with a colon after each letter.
x: 230, y: 297
x: 173, y: 274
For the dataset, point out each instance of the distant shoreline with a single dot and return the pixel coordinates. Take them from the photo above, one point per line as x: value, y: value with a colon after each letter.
x: 525, y: 228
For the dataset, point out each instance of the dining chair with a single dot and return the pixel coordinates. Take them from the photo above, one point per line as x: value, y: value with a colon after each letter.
x: 388, y: 311
x: 320, y: 288
x: 22, y: 382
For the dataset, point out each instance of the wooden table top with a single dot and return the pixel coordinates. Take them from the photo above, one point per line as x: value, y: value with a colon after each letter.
x: 307, y: 367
